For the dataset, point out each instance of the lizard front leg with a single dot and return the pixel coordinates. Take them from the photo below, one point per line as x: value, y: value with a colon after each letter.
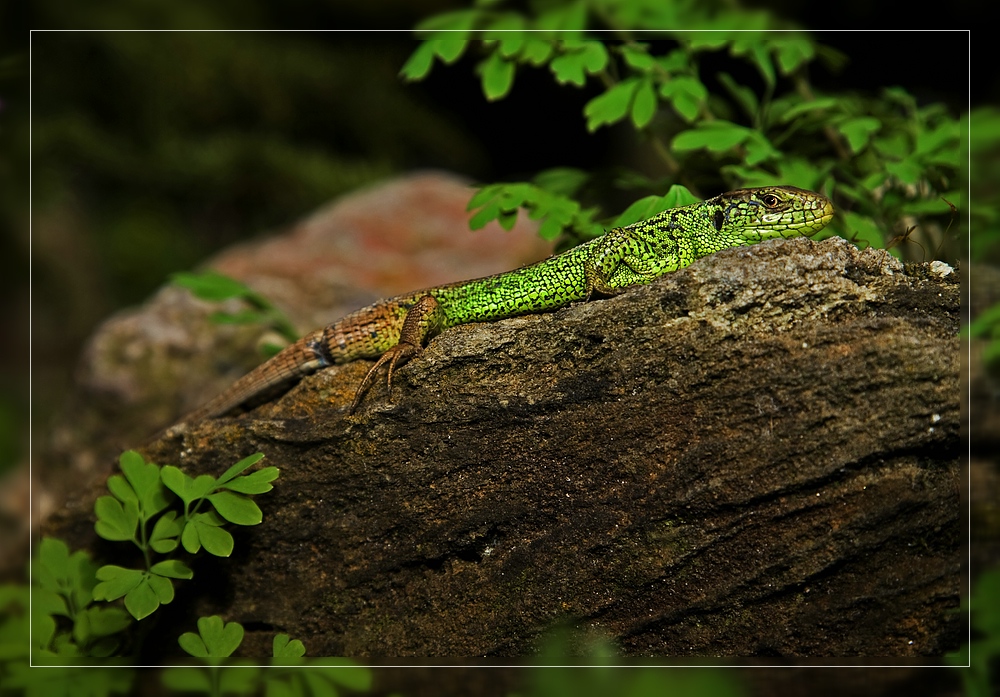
x: 623, y: 258
x: 422, y: 319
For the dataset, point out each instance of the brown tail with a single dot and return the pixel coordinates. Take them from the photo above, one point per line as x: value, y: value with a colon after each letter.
x: 288, y: 366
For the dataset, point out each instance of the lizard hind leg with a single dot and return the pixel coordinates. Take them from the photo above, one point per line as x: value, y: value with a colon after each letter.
x: 420, y: 321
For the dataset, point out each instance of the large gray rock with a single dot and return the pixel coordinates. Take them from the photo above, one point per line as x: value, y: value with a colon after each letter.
x: 759, y: 455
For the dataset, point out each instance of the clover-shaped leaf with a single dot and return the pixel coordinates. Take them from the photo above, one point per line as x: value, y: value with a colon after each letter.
x: 214, y: 638
x: 258, y: 482
x: 172, y: 568
x: 145, y: 480
x: 188, y: 489
x: 163, y: 539
x: 203, y: 530
x: 116, y: 581
x: 282, y: 647
x: 236, y: 508
x: 240, y: 467
x: 115, y: 521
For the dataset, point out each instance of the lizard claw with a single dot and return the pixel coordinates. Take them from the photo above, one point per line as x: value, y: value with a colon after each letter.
x: 402, y: 351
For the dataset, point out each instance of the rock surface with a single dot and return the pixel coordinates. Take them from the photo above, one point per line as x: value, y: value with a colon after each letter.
x: 759, y: 455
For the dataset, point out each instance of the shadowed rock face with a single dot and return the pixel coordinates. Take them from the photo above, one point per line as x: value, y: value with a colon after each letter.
x: 759, y: 455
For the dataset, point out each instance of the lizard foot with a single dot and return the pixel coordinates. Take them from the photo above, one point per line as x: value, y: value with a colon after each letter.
x: 400, y: 352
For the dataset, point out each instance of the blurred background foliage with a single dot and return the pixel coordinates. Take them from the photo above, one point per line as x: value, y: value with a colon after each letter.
x: 151, y: 150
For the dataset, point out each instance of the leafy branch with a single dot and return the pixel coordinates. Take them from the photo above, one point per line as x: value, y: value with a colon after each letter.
x: 887, y: 161
x: 136, y: 512
x: 216, y: 640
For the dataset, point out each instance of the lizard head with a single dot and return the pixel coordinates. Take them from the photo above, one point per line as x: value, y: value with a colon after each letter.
x: 770, y: 211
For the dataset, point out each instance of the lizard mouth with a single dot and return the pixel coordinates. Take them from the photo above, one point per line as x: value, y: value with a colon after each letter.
x: 811, y: 227
x: 827, y: 213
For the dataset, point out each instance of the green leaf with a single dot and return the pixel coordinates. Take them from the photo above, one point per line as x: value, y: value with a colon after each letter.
x: 418, y: 65
x: 211, y: 286
x: 236, y: 508
x: 242, y: 317
x: 637, y: 56
x: 716, y: 136
x: 893, y: 144
x: 142, y: 600
x: 241, y: 680
x: 483, y: 196
x: 115, y: 522
x: 507, y: 220
x: 172, y: 568
x: 484, y: 216
x: 163, y: 539
x: 52, y: 568
x: 162, y: 587
x: 984, y: 323
x: 48, y: 602
x: 743, y: 95
x: 759, y: 149
x: 202, y: 531
x: 193, y: 644
x: 642, y: 209
x: 908, y: 171
x: 220, y: 640
x: 535, y: 52
x: 274, y: 687
x: 116, y: 581
x: 573, y: 66
x: 858, y: 131
x: 791, y: 53
x: 256, y: 483
x: 686, y: 94
x: 612, y: 106
x: 187, y: 679
x: 319, y: 685
x: 674, y: 62
x: 757, y: 51
x: 497, y: 76
x: 944, y: 136
x: 186, y: 488
x: 859, y: 228
x: 283, y: 648
x: 190, y: 537
x: 570, y: 18
x: 799, y: 108
x: 122, y: 490
x: 145, y: 480
x: 649, y: 206
x: 344, y: 672
x: 241, y: 466
x: 504, y: 31
x: 643, y: 104
x: 43, y: 629
x: 564, y: 181
x: 106, y: 621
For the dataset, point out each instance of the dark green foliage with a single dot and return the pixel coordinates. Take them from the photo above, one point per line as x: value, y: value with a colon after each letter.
x: 572, y: 665
x: 216, y: 640
x: 886, y: 161
x: 70, y: 627
x: 140, y: 498
x: 983, y: 654
x: 64, y: 588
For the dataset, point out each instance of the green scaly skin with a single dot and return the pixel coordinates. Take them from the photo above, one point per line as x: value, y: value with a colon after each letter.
x: 397, y: 328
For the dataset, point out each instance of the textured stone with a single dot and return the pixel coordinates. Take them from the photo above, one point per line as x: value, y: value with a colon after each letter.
x: 759, y: 455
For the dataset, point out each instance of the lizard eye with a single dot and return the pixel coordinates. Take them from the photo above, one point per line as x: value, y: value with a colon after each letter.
x: 770, y: 200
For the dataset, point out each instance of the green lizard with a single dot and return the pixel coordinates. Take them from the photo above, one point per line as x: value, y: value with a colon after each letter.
x: 396, y: 329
